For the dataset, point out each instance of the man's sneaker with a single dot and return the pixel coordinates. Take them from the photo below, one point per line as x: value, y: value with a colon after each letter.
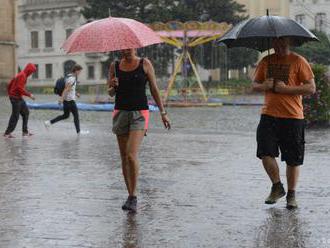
x: 47, y: 124
x: 291, y: 202
x: 276, y: 193
x: 28, y: 134
x: 9, y: 136
x: 130, y: 204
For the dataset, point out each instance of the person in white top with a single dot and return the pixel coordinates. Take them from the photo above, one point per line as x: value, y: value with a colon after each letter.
x: 68, y: 98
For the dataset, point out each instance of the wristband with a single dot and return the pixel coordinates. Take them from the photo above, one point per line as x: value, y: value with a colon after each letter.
x: 163, y: 113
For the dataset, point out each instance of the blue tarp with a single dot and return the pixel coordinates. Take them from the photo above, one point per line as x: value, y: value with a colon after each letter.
x: 81, y: 106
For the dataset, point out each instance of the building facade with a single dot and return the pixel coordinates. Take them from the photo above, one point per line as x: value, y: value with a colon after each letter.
x: 7, y: 40
x: 256, y: 8
x: 313, y: 14
x: 43, y: 26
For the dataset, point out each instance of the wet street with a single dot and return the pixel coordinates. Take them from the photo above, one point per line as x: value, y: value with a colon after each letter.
x: 200, y: 186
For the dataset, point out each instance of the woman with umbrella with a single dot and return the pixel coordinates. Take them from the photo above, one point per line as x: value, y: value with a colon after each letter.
x: 128, y: 78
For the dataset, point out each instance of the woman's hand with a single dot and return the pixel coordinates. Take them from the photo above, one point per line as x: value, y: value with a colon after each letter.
x: 112, y: 91
x: 166, y: 121
x: 113, y: 82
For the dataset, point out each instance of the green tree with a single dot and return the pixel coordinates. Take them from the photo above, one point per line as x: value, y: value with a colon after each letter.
x: 146, y: 11
x: 317, y: 106
x: 316, y: 52
x: 149, y: 11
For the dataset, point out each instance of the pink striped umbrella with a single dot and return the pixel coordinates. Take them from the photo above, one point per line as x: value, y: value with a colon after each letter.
x: 110, y: 34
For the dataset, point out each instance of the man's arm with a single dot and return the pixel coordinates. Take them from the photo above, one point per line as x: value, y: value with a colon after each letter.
x: 307, y: 88
x: 259, y: 86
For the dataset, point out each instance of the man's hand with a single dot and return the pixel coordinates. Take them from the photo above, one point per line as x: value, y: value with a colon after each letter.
x: 78, y: 94
x: 268, y: 84
x: 32, y: 97
x: 60, y: 100
x: 280, y: 87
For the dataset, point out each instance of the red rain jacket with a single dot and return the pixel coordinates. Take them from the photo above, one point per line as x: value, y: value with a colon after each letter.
x: 16, y: 87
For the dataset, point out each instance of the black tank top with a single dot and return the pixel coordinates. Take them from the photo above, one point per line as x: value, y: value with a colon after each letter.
x: 131, y: 91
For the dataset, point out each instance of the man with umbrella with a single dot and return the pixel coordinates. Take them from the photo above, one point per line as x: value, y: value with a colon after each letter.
x: 284, y: 80
x: 284, y: 77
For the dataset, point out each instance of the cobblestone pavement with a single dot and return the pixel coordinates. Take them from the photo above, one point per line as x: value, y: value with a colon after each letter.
x: 200, y: 186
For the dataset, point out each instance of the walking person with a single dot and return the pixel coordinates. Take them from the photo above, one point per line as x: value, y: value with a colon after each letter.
x: 284, y: 77
x: 16, y: 91
x: 128, y: 79
x: 68, y: 98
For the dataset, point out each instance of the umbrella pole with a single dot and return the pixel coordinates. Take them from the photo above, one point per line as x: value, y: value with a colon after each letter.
x: 268, y: 70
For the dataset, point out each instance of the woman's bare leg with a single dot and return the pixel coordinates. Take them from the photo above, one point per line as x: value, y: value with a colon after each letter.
x: 133, y: 145
x: 122, y: 143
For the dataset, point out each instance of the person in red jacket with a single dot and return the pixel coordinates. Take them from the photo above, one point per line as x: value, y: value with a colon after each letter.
x: 16, y: 90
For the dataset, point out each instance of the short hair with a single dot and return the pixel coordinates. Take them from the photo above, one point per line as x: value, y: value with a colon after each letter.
x: 76, y: 67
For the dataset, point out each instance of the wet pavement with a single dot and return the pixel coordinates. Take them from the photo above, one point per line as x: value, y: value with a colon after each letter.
x: 200, y: 186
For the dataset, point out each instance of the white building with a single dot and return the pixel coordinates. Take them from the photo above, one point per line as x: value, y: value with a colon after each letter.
x: 313, y: 14
x: 42, y: 27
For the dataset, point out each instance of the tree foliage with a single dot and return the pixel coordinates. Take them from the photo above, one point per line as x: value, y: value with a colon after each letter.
x: 316, y: 52
x: 209, y: 55
x: 317, y: 106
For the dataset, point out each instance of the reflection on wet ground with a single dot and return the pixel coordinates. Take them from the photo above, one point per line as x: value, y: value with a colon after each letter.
x: 200, y: 186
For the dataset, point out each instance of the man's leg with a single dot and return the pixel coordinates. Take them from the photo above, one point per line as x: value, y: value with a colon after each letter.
x: 292, y: 175
x: 25, y: 116
x: 14, y: 116
x: 273, y: 172
x: 271, y: 167
x: 292, y: 145
x: 267, y: 151
x: 75, y: 113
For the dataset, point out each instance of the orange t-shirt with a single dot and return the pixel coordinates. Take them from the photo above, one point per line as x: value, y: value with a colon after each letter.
x: 293, y: 70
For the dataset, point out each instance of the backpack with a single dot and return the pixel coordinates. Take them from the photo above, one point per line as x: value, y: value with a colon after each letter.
x: 59, y: 86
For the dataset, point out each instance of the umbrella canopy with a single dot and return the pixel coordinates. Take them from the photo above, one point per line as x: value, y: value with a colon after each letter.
x: 110, y: 34
x: 258, y: 32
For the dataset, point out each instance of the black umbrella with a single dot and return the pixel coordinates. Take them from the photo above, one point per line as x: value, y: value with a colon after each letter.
x: 257, y: 33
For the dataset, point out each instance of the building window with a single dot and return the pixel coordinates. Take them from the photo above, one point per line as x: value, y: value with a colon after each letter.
x: 68, y: 32
x: 91, y: 72
x: 300, y: 19
x: 320, y: 21
x: 36, y: 74
x: 105, y: 70
x: 34, y: 39
x: 49, y: 71
x: 48, y: 39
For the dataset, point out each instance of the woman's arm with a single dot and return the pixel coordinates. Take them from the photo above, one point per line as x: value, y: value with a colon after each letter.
x: 149, y: 70
x: 112, y: 81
